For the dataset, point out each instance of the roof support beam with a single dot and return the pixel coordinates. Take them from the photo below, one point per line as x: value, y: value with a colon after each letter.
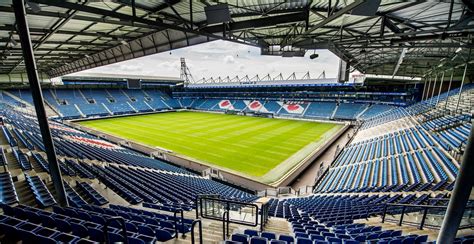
x: 36, y: 92
x: 331, y: 18
x: 121, y: 16
x: 390, y: 25
x: 260, y: 22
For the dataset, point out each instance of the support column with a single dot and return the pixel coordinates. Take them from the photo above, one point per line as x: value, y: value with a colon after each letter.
x: 31, y: 70
x: 440, y: 87
x: 424, y: 89
x: 449, y: 89
x: 434, y: 86
x: 428, y: 89
x: 460, y: 88
x: 460, y: 195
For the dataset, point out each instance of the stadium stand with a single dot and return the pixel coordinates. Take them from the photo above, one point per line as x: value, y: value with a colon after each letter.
x: 349, y: 111
x: 411, y: 164
x: 391, y: 169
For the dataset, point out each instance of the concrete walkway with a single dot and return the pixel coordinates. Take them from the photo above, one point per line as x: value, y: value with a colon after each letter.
x: 308, y: 176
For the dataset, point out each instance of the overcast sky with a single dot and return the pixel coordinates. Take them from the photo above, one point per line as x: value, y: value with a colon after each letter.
x: 222, y: 58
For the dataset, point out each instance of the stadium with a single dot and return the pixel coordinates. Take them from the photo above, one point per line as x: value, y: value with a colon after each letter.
x: 378, y: 150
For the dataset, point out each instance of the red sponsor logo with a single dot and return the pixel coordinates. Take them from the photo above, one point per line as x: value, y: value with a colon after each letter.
x: 225, y: 103
x: 255, y: 105
x: 293, y: 107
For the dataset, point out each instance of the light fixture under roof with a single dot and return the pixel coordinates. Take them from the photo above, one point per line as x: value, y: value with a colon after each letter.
x: 459, y: 49
x: 35, y: 8
x: 13, y: 41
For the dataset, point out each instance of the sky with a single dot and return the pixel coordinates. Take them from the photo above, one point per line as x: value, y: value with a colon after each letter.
x: 223, y: 58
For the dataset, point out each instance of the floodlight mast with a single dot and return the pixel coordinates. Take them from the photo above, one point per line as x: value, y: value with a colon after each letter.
x: 186, y: 75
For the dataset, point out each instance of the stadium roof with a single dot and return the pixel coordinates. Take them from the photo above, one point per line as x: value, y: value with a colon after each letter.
x: 399, y: 37
x: 113, y: 77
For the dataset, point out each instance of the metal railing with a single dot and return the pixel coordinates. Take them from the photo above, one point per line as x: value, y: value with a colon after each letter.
x: 225, y: 225
x: 197, y: 221
x: 197, y: 201
x: 402, y: 209
x: 175, y: 213
x: 230, y: 211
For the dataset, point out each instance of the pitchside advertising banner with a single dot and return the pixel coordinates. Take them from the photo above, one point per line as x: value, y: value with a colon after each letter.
x: 292, y: 108
x: 226, y: 104
x: 255, y: 106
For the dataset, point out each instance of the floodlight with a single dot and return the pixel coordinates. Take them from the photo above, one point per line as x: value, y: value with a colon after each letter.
x: 313, y: 56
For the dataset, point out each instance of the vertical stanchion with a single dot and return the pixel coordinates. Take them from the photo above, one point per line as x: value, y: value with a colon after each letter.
x: 428, y: 89
x: 449, y: 89
x: 33, y: 79
x: 440, y: 87
x: 434, y: 87
x: 460, y: 88
x: 424, y: 89
x: 460, y: 195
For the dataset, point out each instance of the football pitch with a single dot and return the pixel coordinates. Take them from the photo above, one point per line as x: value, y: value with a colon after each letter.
x: 259, y: 148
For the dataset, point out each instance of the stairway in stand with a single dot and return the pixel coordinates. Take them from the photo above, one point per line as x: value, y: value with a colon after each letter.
x: 24, y: 193
x: 212, y: 230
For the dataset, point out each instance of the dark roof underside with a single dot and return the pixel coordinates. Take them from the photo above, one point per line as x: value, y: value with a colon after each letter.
x: 410, y: 38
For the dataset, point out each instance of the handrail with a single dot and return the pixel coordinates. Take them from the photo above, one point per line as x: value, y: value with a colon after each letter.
x: 124, y: 228
x: 424, y: 208
x: 264, y: 216
x: 228, y: 202
x: 225, y: 222
x: 199, y: 222
x: 419, y: 206
x: 5, y: 162
x: 197, y: 201
x: 176, y: 222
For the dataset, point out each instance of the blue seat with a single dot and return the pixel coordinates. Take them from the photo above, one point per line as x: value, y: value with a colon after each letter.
x: 408, y: 240
x: 396, y: 241
x: 316, y: 237
x: 240, y: 238
x: 258, y: 240
x: 301, y: 240
x: 373, y: 236
x: 145, y: 230
x: 286, y: 238
x: 421, y: 239
x: 301, y: 235
x: 361, y: 238
x: 268, y: 235
x: 65, y: 238
x: 96, y: 235
x: 163, y: 235
x: 251, y: 233
x: 350, y: 242
x: 277, y: 242
x: 46, y: 240
x: 133, y: 240
x: 333, y: 239
x: 79, y: 230
x: 396, y: 233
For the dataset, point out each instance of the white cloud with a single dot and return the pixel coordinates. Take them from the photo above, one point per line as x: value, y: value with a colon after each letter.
x: 229, y: 59
x: 221, y: 58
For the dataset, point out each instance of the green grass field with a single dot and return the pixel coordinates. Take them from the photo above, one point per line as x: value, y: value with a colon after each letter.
x: 249, y: 146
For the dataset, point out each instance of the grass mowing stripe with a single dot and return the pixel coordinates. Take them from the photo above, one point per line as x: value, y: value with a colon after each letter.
x: 248, y: 145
